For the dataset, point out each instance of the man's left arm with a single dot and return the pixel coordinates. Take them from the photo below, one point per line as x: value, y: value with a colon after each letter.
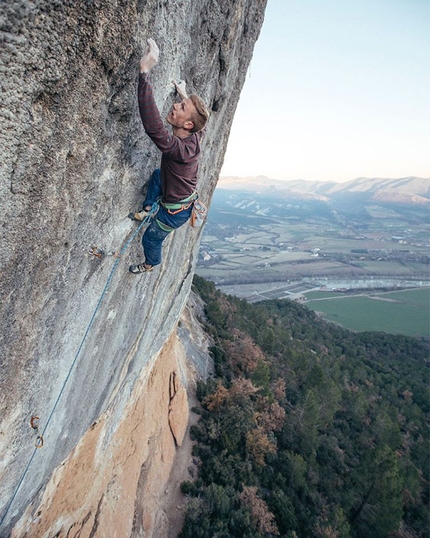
x: 180, y: 89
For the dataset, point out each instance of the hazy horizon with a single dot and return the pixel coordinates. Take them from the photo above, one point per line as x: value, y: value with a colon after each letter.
x: 254, y: 176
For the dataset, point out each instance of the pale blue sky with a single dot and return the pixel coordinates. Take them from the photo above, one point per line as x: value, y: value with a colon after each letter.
x: 337, y: 89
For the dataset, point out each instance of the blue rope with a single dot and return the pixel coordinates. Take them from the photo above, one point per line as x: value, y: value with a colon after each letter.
x: 151, y: 213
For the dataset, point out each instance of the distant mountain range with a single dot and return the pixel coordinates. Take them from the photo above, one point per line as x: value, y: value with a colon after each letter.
x: 407, y: 190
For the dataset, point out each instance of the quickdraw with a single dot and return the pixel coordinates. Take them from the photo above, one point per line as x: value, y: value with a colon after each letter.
x: 95, y: 251
x: 34, y: 423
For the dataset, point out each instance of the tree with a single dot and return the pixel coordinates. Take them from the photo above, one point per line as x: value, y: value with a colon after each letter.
x: 262, y: 517
x: 261, y: 375
x: 283, y: 511
x: 379, y: 511
x: 332, y: 524
x: 258, y: 445
x: 243, y: 353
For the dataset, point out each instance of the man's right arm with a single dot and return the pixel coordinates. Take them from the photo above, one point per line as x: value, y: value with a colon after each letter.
x: 151, y: 119
x: 150, y: 56
x: 150, y: 116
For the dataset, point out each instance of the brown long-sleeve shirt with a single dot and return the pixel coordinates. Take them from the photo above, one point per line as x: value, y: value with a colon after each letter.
x: 179, y: 163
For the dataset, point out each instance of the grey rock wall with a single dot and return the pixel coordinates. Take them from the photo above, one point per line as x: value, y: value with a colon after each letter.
x: 73, y: 160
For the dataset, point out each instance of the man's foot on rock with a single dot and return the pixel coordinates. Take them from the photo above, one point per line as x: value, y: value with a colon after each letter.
x: 140, y: 268
x: 140, y: 216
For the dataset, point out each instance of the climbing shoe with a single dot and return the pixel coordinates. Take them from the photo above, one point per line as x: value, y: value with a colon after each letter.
x: 140, y: 216
x: 140, y: 268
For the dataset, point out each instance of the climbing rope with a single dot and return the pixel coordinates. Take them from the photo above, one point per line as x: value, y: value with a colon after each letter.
x: 34, y: 419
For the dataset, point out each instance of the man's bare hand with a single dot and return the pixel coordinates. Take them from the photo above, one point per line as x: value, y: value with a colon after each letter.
x: 180, y: 88
x: 150, y: 57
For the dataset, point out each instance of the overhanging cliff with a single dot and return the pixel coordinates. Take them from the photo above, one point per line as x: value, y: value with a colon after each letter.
x: 74, y: 158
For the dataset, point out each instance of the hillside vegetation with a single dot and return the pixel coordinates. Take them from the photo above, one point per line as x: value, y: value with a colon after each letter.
x: 307, y: 429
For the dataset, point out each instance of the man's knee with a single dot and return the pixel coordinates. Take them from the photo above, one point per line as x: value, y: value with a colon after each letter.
x: 154, y: 234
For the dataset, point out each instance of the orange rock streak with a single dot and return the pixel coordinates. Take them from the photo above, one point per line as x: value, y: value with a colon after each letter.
x: 112, y: 487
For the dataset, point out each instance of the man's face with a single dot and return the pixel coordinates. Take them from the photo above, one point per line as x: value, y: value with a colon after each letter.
x: 181, y: 113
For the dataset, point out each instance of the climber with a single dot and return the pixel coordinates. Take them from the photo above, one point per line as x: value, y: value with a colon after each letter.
x: 174, y: 184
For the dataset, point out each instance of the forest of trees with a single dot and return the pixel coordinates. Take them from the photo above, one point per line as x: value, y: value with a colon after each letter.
x: 307, y: 429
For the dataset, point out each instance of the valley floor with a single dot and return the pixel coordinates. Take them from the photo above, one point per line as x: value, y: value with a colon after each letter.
x: 360, y: 305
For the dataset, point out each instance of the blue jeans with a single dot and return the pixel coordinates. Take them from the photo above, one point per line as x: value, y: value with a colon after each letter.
x: 154, y: 236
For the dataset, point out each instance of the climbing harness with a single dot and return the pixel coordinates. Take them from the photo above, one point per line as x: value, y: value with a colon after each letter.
x: 34, y: 420
x: 182, y: 205
x: 175, y: 208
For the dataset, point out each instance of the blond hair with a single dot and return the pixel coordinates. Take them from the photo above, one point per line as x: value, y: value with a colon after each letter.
x: 201, y: 116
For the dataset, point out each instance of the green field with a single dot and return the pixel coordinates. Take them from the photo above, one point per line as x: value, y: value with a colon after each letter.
x: 323, y: 294
x: 406, y: 312
x: 417, y: 296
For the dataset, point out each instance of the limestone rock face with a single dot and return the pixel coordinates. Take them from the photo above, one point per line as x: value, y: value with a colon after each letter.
x: 79, y: 333
x: 113, y: 489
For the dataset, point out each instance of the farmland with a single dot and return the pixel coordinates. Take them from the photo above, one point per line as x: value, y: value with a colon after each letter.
x: 267, y: 249
x: 403, y: 312
x: 277, y: 244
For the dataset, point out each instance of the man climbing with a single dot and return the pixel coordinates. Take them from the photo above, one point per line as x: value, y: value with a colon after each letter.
x: 174, y: 184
